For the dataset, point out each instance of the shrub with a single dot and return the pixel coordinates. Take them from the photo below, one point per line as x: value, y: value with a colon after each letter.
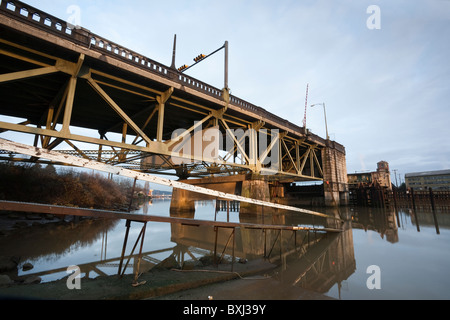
x: 33, y: 183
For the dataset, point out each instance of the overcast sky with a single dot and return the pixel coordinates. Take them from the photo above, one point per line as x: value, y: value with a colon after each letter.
x: 386, y: 88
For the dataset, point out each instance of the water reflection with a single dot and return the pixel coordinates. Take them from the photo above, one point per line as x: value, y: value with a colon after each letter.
x: 379, y: 220
x: 406, y: 244
x: 48, y: 243
x: 332, y: 264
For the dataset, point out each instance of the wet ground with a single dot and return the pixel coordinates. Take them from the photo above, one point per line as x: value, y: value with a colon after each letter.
x: 201, y: 284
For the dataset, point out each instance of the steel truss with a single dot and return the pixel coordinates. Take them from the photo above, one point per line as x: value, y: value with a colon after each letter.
x: 136, y: 118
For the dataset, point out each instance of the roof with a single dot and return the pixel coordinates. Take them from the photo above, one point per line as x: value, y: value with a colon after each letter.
x: 428, y: 173
x: 361, y: 173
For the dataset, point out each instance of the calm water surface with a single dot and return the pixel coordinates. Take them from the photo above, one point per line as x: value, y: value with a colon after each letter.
x: 411, y: 249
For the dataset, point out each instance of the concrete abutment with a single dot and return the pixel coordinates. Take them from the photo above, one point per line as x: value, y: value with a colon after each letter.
x: 336, y: 192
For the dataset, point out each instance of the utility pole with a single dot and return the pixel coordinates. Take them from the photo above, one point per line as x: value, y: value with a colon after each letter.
x: 396, y: 182
x: 226, y: 66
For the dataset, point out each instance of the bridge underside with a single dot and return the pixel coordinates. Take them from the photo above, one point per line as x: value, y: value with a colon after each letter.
x: 73, y: 91
x: 65, y: 97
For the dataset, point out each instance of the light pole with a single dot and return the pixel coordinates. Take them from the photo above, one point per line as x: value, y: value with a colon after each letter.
x: 325, y: 114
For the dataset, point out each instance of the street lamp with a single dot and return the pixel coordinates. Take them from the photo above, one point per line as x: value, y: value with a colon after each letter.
x: 325, y: 114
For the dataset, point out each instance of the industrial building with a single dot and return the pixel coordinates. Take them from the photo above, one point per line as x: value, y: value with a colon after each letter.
x: 436, y: 180
x: 381, y: 177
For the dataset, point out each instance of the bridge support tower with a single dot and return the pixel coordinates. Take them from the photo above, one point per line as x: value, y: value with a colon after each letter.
x: 336, y: 191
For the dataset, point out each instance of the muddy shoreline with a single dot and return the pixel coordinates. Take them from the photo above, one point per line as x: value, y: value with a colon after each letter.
x: 201, y: 282
x: 153, y: 284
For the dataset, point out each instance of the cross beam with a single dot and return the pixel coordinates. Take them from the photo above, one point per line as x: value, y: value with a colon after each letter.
x: 90, y: 164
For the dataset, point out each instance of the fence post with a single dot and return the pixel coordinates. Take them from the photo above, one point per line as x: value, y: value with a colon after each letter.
x: 432, y: 198
x: 413, y: 198
x: 394, y: 195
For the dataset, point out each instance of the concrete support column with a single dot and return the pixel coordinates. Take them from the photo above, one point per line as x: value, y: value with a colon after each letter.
x: 182, y: 203
x: 335, y: 175
x: 247, y: 186
x: 254, y: 189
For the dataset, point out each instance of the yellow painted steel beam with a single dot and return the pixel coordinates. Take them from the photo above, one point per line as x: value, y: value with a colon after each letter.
x: 162, y: 100
x: 70, y: 93
x: 318, y: 163
x: 22, y: 58
x: 269, y: 148
x: 154, y: 148
x: 90, y: 164
x: 27, y: 49
x: 20, y: 75
x: 123, y: 81
x: 118, y: 110
x: 237, y: 143
x: 69, y: 105
x: 188, y: 131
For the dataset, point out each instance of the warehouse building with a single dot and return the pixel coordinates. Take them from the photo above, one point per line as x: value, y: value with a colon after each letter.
x: 436, y: 180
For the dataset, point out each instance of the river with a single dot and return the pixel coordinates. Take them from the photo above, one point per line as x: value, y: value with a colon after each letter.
x: 382, y: 254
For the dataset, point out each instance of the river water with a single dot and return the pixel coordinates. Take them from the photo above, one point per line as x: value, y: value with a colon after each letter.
x: 382, y: 254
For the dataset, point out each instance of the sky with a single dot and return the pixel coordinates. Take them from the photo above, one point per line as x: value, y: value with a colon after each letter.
x: 380, y: 66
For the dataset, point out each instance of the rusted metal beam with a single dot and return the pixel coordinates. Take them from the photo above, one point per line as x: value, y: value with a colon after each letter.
x: 14, y: 76
x: 84, y: 163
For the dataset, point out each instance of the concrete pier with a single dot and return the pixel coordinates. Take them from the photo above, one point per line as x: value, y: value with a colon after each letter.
x: 335, y: 175
x: 268, y: 188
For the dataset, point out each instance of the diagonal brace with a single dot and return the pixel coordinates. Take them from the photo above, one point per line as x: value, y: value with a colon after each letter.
x: 118, y: 110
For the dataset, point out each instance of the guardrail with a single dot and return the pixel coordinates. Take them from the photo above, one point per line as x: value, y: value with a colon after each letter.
x: 86, y: 38
x: 38, y: 18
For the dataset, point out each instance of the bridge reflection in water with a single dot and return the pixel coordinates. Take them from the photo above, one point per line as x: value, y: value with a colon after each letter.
x: 307, y: 258
x: 316, y: 261
x: 312, y: 260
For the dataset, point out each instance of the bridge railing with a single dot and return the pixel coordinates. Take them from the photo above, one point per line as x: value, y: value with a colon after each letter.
x: 38, y: 18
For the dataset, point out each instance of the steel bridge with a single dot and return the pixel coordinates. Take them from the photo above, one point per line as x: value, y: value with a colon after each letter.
x: 65, y: 85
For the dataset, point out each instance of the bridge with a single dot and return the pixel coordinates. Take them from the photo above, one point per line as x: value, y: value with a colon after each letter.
x: 80, y: 94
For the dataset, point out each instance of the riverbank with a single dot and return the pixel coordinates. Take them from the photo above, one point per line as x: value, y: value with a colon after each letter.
x: 153, y: 284
x: 255, y: 280
x: 44, y: 184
